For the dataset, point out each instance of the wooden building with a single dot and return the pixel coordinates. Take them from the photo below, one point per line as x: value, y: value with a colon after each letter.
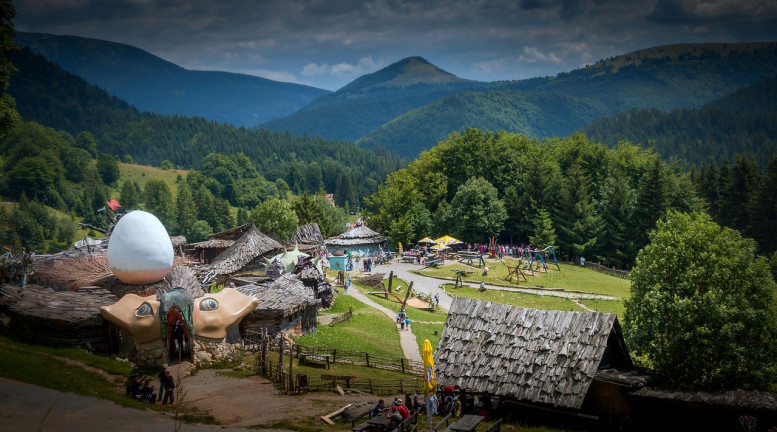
x: 359, y: 240
x: 247, y: 253
x: 572, y: 363
x: 217, y: 243
x: 285, y: 305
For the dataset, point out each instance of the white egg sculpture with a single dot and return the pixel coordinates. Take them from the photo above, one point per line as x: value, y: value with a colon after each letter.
x: 139, y: 249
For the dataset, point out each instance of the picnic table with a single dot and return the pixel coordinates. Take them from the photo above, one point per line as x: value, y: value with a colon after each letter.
x: 408, y: 258
x: 468, y: 423
x: 469, y: 258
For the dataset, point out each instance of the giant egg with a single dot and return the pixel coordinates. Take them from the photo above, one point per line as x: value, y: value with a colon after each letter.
x: 139, y: 249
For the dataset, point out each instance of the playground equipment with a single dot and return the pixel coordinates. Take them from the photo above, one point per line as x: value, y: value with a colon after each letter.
x: 536, y: 258
x: 459, y: 275
x: 478, y: 259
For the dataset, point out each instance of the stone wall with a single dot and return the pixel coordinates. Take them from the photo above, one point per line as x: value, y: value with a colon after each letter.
x: 206, y: 351
x: 150, y: 353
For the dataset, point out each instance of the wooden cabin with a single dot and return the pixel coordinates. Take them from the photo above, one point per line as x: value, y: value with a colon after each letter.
x: 538, y: 361
x: 285, y: 305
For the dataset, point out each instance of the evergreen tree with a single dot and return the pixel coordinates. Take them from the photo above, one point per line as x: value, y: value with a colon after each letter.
x: 763, y: 209
x: 616, y: 247
x: 306, y: 210
x: 544, y: 233
x: 85, y: 141
x: 576, y: 219
x: 186, y: 214
x: 129, y: 195
x: 652, y: 201
x: 158, y: 200
x: 108, y: 167
x: 8, y: 114
x: 223, y: 219
x: 738, y: 190
x: 243, y: 216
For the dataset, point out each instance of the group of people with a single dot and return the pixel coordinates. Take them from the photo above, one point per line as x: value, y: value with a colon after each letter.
x: 139, y: 387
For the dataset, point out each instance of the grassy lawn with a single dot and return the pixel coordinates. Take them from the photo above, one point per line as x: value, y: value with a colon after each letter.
x: 569, y: 278
x: 368, y: 330
x: 535, y: 301
x: 141, y: 173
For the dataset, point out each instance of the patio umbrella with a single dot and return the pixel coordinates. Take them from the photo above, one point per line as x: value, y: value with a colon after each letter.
x: 446, y: 239
x: 426, y: 240
x: 430, y: 381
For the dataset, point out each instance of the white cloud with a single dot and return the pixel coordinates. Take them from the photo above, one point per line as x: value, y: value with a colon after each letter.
x: 535, y: 55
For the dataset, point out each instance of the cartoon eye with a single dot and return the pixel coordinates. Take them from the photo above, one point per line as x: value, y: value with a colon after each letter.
x: 144, y: 309
x: 209, y: 304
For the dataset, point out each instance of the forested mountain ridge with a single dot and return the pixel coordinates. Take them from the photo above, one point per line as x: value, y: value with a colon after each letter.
x: 153, y: 84
x: 372, y: 100
x: 667, y: 77
x: 53, y: 97
x: 743, y: 122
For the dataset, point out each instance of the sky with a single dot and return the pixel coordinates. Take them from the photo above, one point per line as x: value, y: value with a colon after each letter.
x: 329, y: 43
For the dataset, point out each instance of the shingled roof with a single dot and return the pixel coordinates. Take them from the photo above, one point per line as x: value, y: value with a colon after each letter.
x: 286, y: 296
x: 251, y: 245
x: 542, y: 356
x: 358, y: 235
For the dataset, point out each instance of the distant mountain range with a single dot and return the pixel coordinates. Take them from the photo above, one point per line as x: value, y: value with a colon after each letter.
x: 410, y: 105
x: 152, y: 84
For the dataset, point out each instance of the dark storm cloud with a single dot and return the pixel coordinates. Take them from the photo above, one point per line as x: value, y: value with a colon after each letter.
x: 328, y: 43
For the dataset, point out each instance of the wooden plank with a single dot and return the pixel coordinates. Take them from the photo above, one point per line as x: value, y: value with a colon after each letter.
x: 328, y: 418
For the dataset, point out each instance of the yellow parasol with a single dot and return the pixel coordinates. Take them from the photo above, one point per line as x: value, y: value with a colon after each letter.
x: 430, y: 381
x: 426, y: 240
x: 446, y: 240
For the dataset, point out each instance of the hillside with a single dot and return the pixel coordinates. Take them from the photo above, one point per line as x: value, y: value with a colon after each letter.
x: 372, y: 100
x: 55, y: 98
x: 533, y: 113
x: 668, y: 77
x: 743, y: 122
x: 152, y: 84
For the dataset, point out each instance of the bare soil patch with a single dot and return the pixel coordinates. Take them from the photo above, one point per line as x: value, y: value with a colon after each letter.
x: 254, y: 401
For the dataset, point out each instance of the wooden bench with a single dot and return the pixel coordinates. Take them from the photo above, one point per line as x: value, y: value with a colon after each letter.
x: 322, y: 358
x: 408, y: 258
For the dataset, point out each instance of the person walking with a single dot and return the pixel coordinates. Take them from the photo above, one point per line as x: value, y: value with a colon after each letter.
x: 347, y: 283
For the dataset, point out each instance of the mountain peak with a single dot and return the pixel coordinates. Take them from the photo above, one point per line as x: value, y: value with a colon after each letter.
x: 406, y: 72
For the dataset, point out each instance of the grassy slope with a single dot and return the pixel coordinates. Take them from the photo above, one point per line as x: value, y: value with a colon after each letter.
x: 142, y: 173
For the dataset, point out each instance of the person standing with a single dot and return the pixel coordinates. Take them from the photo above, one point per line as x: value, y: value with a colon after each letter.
x: 407, y: 323
x: 169, y: 387
x: 347, y: 283
x: 162, y: 382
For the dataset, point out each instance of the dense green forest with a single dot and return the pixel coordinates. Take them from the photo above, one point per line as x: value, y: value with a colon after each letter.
x: 534, y: 113
x: 571, y: 193
x: 53, y: 97
x: 395, y: 109
x: 744, y: 122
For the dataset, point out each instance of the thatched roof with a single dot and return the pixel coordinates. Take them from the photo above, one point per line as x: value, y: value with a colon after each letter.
x: 308, y: 236
x: 213, y: 244
x: 542, y: 356
x: 285, y: 296
x: 178, y: 241
x: 232, y: 233
x: 358, y: 235
x: 251, y: 245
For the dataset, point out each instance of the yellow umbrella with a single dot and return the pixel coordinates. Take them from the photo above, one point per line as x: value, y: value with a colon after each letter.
x: 446, y: 239
x: 430, y: 381
x: 426, y: 240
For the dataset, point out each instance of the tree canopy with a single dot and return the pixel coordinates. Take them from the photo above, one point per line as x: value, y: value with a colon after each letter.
x: 702, y: 306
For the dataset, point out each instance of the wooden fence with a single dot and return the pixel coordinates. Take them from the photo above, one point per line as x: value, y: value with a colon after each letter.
x: 342, y: 318
x: 262, y: 343
x: 612, y: 271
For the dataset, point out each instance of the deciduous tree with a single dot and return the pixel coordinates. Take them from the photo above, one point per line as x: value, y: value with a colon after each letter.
x: 702, y: 306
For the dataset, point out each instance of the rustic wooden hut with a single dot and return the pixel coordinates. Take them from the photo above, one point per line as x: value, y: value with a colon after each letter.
x: 285, y: 305
x: 246, y: 253
x: 557, y: 361
x: 59, y: 318
x: 217, y: 243
x: 308, y: 238
x: 359, y: 240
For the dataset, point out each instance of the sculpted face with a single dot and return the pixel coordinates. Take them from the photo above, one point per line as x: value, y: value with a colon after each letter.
x: 215, y: 313
x: 137, y: 315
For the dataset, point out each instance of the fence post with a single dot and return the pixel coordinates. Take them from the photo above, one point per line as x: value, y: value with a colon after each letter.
x: 372, y: 391
x: 401, y: 386
x: 367, y: 357
x: 334, y: 355
x: 402, y: 362
x: 265, y: 345
x: 291, y: 372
